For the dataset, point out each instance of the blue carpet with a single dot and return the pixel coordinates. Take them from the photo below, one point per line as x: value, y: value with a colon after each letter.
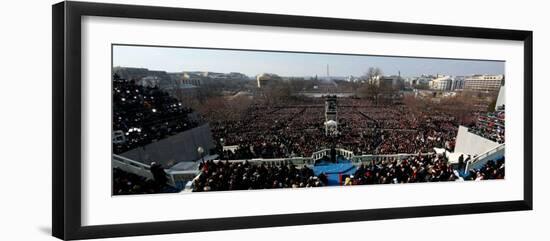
x: 334, y: 171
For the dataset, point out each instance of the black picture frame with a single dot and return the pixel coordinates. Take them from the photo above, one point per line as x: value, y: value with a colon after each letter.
x: 66, y: 158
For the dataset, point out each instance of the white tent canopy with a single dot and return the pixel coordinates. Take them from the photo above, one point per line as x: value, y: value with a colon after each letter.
x: 331, y: 123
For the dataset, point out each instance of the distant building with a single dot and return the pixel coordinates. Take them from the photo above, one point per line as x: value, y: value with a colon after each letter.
x: 149, y: 81
x: 388, y: 81
x: 442, y: 83
x: 483, y: 82
x: 267, y: 79
x: 145, y: 77
x: 199, y: 78
x: 458, y: 83
x: 237, y: 76
x: 422, y: 80
x: 193, y: 78
x: 352, y: 78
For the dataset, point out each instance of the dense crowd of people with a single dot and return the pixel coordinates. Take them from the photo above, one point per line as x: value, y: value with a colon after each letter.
x: 430, y: 168
x: 266, y: 131
x: 242, y: 175
x: 490, y: 125
x: 144, y: 114
x: 491, y: 170
x: 224, y: 175
x: 125, y: 183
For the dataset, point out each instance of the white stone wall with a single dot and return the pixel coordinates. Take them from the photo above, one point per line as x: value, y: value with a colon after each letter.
x: 472, y: 144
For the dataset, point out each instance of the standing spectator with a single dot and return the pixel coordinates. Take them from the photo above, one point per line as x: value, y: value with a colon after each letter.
x: 159, y: 175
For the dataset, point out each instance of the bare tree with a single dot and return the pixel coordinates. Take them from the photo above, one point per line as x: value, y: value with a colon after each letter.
x: 372, y: 73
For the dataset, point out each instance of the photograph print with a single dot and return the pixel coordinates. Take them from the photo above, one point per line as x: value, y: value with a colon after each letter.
x: 188, y: 120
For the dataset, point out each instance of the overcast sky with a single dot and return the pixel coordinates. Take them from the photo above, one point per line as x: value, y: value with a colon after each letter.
x: 252, y: 63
